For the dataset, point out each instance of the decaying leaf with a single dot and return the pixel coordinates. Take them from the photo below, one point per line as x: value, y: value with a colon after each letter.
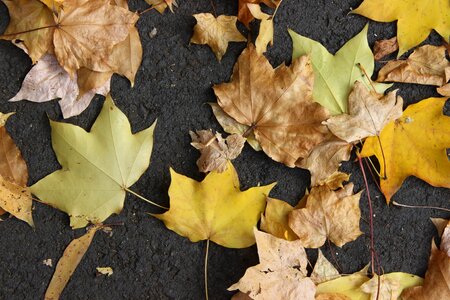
x: 265, y: 35
x: 328, y: 214
x: 68, y: 263
x: 214, y: 209
x: 323, y: 270
x: 369, y: 112
x: 275, y: 219
x: 97, y: 166
x: 445, y: 240
x: 414, y: 144
x: 216, y: 32
x: 426, y: 65
x: 415, y: 18
x: 216, y: 151
x: 336, y: 74
x: 276, y: 105
x: 108, y: 271
x: 281, y: 272
x: 15, y: 197
x: 244, y: 14
x: 384, y: 47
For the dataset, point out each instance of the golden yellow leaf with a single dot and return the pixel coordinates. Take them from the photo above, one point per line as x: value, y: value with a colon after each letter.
x: 415, y: 18
x: 215, y: 209
x: 415, y: 144
x: 276, y: 105
x: 275, y: 219
x: 216, y: 32
x: 68, y: 263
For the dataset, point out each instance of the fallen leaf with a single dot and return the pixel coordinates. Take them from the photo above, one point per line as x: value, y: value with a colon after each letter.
x: 369, y: 113
x: 440, y: 225
x: 16, y: 200
x: 275, y: 219
x: 68, y: 263
x: 384, y: 47
x: 323, y: 270
x: 88, y: 80
x: 414, y: 144
x: 215, y: 151
x: 265, y: 35
x: 48, y: 262
x: 108, y: 271
x: 97, y: 166
x: 216, y: 32
x: 389, y: 286
x: 436, y: 284
x: 328, y: 214
x: 336, y: 74
x: 244, y: 14
x: 445, y: 240
x: 348, y: 286
x: 214, y: 209
x: 444, y: 90
x: 162, y: 5
x: 241, y: 296
x: 331, y: 296
x: 281, y: 273
x: 415, y: 18
x: 426, y: 65
x: 276, y: 104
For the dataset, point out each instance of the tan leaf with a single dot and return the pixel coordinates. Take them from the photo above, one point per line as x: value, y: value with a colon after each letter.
x: 68, y: 263
x: 215, y: 151
x: 426, y: 65
x: 437, y: 279
x: 216, y: 32
x: 265, y: 35
x: 445, y: 240
x: 323, y: 270
x: 281, y: 273
x: 328, y: 214
x: 369, y: 113
x: 161, y: 5
x: 275, y: 219
x: 89, y: 80
x: 16, y: 200
x: 276, y: 104
x: 385, y: 47
x: 87, y: 32
x: 324, y: 160
x: 331, y: 296
x: 440, y: 225
x: 444, y: 90
x: 383, y: 289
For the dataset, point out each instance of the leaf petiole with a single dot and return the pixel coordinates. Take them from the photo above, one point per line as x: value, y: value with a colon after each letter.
x: 145, y: 199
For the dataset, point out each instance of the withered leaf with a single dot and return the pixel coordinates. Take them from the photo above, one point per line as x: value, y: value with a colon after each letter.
x: 244, y: 14
x: 265, y: 35
x: 276, y: 104
x: 323, y: 270
x: 384, y: 47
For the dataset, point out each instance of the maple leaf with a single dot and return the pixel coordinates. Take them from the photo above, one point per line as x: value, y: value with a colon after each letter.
x: 68, y: 263
x: 276, y: 104
x: 426, y: 65
x: 216, y: 151
x: 281, y: 273
x: 47, y: 80
x: 382, y: 48
x: 97, y: 166
x: 369, y: 112
x: 328, y: 214
x: 216, y: 32
x: 214, y: 209
x: 15, y: 198
x: 244, y: 14
x: 265, y: 35
x: 415, y: 18
x: 336, y: 74
x: 415, y: 144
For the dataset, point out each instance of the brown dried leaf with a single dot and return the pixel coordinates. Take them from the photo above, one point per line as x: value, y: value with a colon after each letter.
x: 216, y: 32
x: 440, y: 225
x: 265, y: 35
x: 276, y: 104
x: 68, y: 263
x: 216, y: 151
x: 384, y: 289
x: 16, y: 200
x: 281, y: 273
x: 369, y: 113
x: 445, y: 240
x: 161, y: 5
x: 426, y: 65
x: 244, y: 14
x: 385, y: 47
x: 332, y: 296
x: 323, y: 270
x: 241, y: 296
x: 328, y: 214
x: 444, y: 90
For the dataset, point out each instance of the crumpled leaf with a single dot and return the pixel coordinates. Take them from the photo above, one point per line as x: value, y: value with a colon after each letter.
x: 328, y: 214
x: 216, y: 32
x: 336, y: 74
x: 415, y: 18
x: 426, y: 65
x: 244, y: 14
x: 47, y: 80
x: 415, y: 144
x: 276, y: 104
x: 97, y: 166
x: 15, y: 198
x: 215, y: 151
x: 281, y: 273
x: 67, y: 264
x: 382, y: 48
x: 369, y: 113
x: 265, y: 35
x: 214, y: 209
x: 323, y: 270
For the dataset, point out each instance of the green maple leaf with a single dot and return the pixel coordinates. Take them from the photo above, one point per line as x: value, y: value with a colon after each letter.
x: 97, y: 166
x: 336, y: 74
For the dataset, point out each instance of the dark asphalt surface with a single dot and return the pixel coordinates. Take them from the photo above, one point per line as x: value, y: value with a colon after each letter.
x: 173, y: 85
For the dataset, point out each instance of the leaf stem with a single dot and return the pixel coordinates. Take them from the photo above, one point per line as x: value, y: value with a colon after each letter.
x: 206, y: 269
x: 367, y: 76
x: 145, y: 199
x: 420, y: 206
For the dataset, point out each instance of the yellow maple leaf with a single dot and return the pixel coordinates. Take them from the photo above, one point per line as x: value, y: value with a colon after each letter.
x: 415, y: 18
x: 215, y: 209
x: 415, y: 144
